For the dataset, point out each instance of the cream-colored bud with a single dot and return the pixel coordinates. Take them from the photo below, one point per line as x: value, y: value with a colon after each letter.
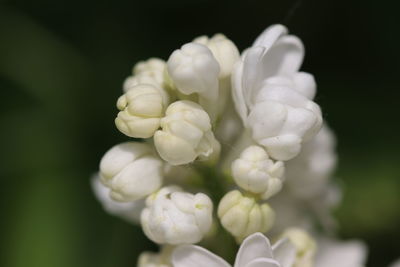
x: 151, y: 259
x: 186, y: 134
x: 150, y: 71
x: 175, y: 217
x: 242, y: 215
x: 139, y: 79
x: 194, y: 72
x: 152, y: 65
x: 224, y: 51
x: 194, y: 69
x: 141, y: 108
x: 131, y: 171
x: 254, y: 171
x: 305, y: 246
x: 129, y: 211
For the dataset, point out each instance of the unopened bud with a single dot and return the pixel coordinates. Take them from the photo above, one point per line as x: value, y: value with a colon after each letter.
x: 254, y: 171
x: 242, y: 215
x: 186, y: 134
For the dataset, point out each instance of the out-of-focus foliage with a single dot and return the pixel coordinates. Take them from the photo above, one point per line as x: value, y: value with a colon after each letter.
x: 62, y: 64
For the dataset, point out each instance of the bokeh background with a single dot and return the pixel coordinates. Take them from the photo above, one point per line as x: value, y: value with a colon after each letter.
x: 62, y: 64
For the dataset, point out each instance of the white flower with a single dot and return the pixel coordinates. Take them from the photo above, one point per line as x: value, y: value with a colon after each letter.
x: 141, y: 109
x: 272, y: 97
x: 309, y: 173
x: 224, y: 51
x: 186, y: 134
x: 333, y: 253
x: 226, y: 54
x: 129, y: 211
x: 151, y: 259
x: 150, y: 71
x: 242, y: 215
x: 194, y: 70
x: 131, y: 171
x: 309, y: 194
x: 175, y: 217
x: 254, y: 171
x: 304, y: 244
x: 255, y: 251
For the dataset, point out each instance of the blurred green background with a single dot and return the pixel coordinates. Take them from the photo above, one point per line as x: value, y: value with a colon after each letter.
x: 62, y: 64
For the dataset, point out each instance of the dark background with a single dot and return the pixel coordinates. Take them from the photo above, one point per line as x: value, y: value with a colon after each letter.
x: 62, y: 64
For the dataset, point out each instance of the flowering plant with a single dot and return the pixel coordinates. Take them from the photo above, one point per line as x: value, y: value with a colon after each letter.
x: 234, y: 151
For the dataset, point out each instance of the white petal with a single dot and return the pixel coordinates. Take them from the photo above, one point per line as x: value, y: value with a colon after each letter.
x: 237, y: 91
x: 305, y: 84
x: 195, y: 256
x: 254, y: 246
x: 121, y: 155
x: 268, y: 37
x: 284, y: 252
x: 129, y: 211
x: 252, y: 73
x: 284, y: 57
x: 263, y: 262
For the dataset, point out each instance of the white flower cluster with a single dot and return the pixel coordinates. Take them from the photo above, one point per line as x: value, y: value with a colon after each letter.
x: 208, y: 107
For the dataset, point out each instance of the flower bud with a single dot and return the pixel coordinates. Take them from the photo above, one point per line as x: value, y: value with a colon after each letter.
x: 305, y: 246
x: 194, y: 69
x: 144, y: 78
x: 242, y: 215
x: 224, y: 51
x: 130, y: 211
x: 255, y: 172
x: 131, y: 171
x: 151, y: 259
x: 141, y: 107
x: 186, y: 134
x: 153, y: 66
x: 175, y: 217
x: 147, y: 72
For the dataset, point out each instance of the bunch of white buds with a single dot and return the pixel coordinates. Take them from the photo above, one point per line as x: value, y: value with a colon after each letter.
x: 208, y: 107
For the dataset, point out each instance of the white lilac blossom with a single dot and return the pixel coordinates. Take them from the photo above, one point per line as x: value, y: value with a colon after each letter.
x: 131, y: 171
x: 226, y: 54
x: 224, y: 51
x: 152, y: 259
x: 215, y: 120
x: 305, y: 246
x: 175, y: 217
x: 309, y: 193
x: 272, y: 97
x: 186, y: 134
x: 129, y: 211
x: 141, y: 109
x: 311, y: 170
x: 255, y: 251
x: 146, y: 72
x: 255, y: 172
x: 194, y: 70
x: 242, y: 215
